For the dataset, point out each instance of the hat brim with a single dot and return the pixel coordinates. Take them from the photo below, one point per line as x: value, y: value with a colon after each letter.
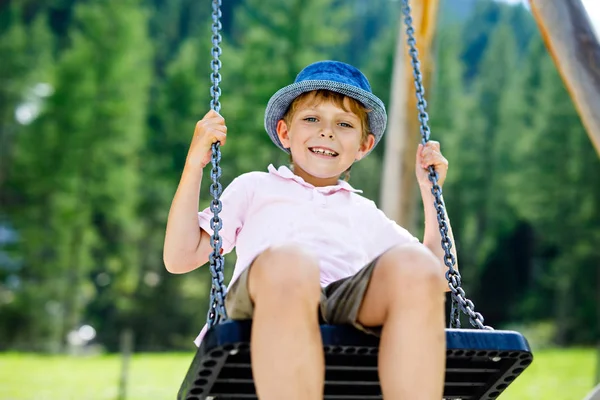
x: 281, y: 100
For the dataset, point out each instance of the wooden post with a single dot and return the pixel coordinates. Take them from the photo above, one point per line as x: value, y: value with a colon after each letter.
x: 573, y: 45
x: 398, y: 187
x: 594, y: 394
x: 126, y: 347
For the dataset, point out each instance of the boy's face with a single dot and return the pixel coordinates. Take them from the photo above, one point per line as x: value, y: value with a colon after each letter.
x: 324, y: 141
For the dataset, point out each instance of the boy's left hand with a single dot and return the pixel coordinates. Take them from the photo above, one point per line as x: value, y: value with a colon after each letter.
x: 427, y: 155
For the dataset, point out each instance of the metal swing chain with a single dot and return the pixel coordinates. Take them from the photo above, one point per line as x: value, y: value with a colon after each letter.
x: 459, y: 300
x: 216, y: 311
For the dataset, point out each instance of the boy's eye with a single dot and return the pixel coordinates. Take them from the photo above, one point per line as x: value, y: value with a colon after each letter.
x: 345, y: 125
x: 310, y: 119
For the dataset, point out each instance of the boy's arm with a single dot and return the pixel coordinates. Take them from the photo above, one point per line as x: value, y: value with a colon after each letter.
x: 186, y: 245
x: 432, y: 237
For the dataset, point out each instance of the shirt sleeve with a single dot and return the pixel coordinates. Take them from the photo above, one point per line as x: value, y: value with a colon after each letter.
x: 234, y: 201
x: 381, y: 233
x: 398, y: 234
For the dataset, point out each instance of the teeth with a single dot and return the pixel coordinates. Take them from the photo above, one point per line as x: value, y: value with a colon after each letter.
x: 324, y: 152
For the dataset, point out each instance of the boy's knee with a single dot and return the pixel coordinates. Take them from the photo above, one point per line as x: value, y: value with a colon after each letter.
x: 412, y: 266
x: 285, y: 270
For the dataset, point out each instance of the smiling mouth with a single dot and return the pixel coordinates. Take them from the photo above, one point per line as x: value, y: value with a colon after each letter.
x: 323, y: 152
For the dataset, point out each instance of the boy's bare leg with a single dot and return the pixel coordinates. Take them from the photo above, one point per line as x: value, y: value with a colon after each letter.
x: 286, y: 347
x: 406, y: 296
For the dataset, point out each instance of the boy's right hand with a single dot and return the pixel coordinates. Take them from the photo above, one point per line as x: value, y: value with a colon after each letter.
x: 210, y: 129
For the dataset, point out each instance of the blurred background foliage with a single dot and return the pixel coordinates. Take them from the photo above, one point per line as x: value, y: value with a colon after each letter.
x: 98, y: 101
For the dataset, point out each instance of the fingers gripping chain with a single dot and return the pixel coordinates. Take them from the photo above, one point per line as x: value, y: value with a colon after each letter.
x: 216, y: 311
x: 459, y: 300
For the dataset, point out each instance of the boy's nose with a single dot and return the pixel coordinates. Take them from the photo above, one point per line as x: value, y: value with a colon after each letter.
x: 327, y: 133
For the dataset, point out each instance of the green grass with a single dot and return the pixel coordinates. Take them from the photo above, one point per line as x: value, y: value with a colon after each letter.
x: 554, y: 374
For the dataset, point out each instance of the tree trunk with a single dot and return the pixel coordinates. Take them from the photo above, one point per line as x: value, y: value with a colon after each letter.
x: 594, y: 394
x: 398, y: 187
x: 570, y: 39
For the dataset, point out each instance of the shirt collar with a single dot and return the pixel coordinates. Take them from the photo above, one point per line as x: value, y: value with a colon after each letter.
x: 286, y: 173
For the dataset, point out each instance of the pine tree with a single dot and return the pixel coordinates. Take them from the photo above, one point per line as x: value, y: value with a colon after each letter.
x: 80, y: 219
x: 482, y: 166
x: 24, y: 74
x: 25, y: 82
x: 554, y: 193
x: 449, y: 113
x: 182, y: 99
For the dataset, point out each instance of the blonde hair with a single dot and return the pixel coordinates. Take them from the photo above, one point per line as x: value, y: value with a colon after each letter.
x: 319, y: 96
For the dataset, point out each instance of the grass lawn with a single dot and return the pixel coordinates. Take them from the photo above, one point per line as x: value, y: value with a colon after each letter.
x: 554, y: 374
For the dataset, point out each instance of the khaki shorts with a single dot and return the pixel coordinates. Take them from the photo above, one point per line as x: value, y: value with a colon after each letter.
x: 340, y: 300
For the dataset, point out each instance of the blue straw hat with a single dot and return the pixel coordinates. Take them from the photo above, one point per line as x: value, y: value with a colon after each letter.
x: 328, y: 75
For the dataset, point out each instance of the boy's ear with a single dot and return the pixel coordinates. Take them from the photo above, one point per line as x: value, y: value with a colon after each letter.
x: 283, y: 133
x: 366, y: 146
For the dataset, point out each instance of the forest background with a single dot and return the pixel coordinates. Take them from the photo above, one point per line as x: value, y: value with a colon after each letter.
x: 98, y: 101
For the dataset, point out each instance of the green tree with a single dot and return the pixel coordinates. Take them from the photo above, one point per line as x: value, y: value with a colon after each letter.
x: 481, y: 159
x: 25, y: 82
x: 450, y: 120
x: 557, y: 193
x: 78, y: 167
x: 26, y: 51
x: 173, y: 308
x: 171, y: 23
x: 481, y: 24
x: 122, y: 82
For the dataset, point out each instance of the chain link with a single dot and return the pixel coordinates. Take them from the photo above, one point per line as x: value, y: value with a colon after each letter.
x: 216, y: 311
x: 459, y: 300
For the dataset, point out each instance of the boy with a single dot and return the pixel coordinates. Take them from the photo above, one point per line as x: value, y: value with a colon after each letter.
x: 310, y: 247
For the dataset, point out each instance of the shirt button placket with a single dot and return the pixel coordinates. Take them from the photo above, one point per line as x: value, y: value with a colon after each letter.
x: 319, y: 198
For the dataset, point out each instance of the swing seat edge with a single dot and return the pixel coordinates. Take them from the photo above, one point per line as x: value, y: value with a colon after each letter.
x: 480, y: 364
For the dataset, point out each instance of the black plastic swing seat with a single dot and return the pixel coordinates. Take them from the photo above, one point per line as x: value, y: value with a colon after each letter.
x: 480, y: 364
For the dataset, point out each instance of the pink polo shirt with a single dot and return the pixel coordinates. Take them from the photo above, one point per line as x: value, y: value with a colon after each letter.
x: 344, y: 230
